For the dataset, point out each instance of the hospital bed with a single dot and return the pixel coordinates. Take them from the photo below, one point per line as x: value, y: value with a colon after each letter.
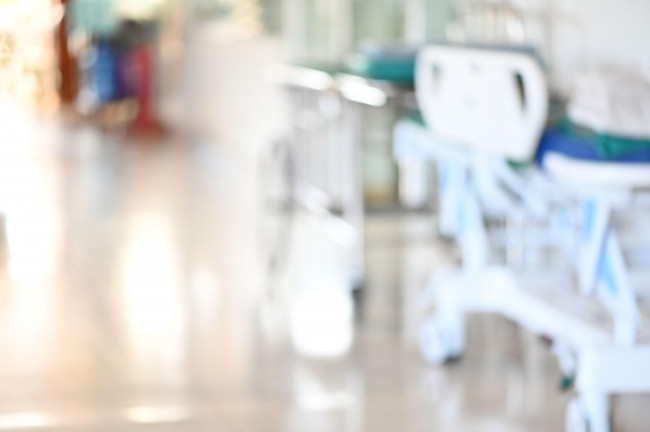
x: 341, y: 120
x: 321, y: 170
x: 485, y: 112
x: 377, y: 87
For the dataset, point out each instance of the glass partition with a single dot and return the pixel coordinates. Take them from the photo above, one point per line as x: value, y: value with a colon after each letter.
x: 327, y: 31
x: 379, y: 20
x: 437, y: 13
x: 317, y: 31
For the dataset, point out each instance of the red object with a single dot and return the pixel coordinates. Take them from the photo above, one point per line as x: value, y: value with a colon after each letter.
x: 67, y: 64
x: 146, y: 120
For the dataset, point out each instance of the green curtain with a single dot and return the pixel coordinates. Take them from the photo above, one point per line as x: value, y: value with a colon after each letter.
x: 96, y: 17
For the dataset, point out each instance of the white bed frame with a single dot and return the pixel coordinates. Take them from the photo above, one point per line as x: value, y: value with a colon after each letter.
x: 495, y: 103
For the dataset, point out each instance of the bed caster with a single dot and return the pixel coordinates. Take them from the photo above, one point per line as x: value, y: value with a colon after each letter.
x: 568, y: 362
x: 576, y: 419
x: 440, y: 341
x: 567, y: 382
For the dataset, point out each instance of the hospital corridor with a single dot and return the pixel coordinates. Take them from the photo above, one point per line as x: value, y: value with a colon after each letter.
x: 324, y: 215
x: 136, y: 295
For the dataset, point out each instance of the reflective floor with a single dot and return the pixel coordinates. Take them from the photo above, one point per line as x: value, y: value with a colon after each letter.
x: 136, y: 294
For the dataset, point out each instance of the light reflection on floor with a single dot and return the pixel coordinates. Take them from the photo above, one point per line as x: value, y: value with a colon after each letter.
x: 135, y: 294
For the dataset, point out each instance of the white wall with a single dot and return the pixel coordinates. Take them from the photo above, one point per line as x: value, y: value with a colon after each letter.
x: 587, y: 33
x: 227, y: 95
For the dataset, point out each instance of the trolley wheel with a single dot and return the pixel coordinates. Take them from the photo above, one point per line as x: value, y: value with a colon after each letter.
x: 576, y: 419
x: 437, y: 342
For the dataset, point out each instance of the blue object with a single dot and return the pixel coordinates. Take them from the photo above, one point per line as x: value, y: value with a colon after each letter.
x: 606, y: 272
x: 572, y: 146
x: 588, y: 212
x: 104, y: 72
